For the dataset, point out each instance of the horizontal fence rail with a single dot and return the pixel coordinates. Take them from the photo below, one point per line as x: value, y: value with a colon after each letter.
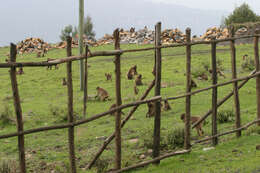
x: 77, y: 123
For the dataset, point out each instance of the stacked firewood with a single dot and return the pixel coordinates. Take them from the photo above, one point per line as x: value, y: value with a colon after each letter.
x: 30, y: 45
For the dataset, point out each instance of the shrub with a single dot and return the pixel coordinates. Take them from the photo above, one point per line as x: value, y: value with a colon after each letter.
x: 175, y: 138
x: 225, y: 116
x: 101, y: 165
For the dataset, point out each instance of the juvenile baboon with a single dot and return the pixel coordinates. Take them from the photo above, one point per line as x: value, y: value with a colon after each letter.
x: 132, y: 72
x: 194, y: 119
x: 166, y: 106
x: 102, y: 94
x: 193, y: 84
x: 50, y: 66
x: 64, y: 82
x: 136, y: 90
x: 203, y: 76
x: 219, y: 72
x: 108, y: 76
x: 138, y: 80
x: 20, y: 71
x: 112, y: 107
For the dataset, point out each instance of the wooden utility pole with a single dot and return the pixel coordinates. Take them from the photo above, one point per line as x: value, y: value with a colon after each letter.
x: 81, y: 63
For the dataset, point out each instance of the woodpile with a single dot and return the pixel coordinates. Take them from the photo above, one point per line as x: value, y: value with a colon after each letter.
x: 215, y: 33
x: 170, y: 36
x: 30, y: 45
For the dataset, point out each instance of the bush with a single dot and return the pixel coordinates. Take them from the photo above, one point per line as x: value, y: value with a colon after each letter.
x: 6, y: 117
x: 175, y: 138
x: 248, y: 64
x: 225, y: 116
x: 101, y: 165
x: 61, y: 114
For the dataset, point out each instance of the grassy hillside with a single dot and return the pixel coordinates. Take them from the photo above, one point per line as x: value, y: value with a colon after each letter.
x: 44, y: 101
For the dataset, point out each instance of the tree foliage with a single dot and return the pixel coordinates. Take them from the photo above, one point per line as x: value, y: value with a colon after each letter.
x: 87, y: 30
x: 242, y: 14
x: 67, y: 31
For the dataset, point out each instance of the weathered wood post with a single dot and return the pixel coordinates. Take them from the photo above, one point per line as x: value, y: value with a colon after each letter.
x: 214, y: 92
x: 118, y: 102
x: 157, y: 118
x: 73, y: 168
x: 188, y: 90
x: 85, y: 99
x: 235, y: 84
x: 257, y: 67
x: 18, y: 109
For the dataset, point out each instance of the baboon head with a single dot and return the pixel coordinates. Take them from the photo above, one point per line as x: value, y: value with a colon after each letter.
x: 183, y: 116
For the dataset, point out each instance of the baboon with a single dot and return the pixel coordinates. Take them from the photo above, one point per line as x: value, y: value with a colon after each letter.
x: 244, y: 57
x: 39, y: 54
x: 108, y: 76
x: 138, y: 80
x: 166, y: 106
x: 112, y: 107
x: 136, y: 90
x: 221, y: 73
x: 203, y: 76
x: 151, y: 109
x: 102, y: 94
x: 193, y: 84
x: 20, y: 71
x: 50, y: 66
x: 194, y: 119
x: 132, y: 72
x: 64, y: 82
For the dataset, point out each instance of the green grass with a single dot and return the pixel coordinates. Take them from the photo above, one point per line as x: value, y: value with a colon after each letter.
x: 44, y: 102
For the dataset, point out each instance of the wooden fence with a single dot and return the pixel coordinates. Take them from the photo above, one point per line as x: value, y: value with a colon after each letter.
x: 119, y: 124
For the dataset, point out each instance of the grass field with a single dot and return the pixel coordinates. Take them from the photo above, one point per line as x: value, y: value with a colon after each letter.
x: 44, y: 101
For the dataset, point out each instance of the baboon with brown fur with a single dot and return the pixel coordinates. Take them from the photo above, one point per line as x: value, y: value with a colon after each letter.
x: 194, y: 119
x: 166, y: 106
x: 151, y: 109
x: 132, y: 72
x: 102, y: 94
x: 108, y: 76
x: 138, y: 80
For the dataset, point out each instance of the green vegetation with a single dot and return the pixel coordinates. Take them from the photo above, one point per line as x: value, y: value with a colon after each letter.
x: 44, y: 103
x: 241, y: 14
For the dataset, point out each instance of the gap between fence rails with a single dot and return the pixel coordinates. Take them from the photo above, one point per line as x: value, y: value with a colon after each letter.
x: 97, y: 116
x: 112, y: 53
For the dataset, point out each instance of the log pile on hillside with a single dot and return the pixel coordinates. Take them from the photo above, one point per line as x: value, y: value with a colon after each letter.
x: 30, y: 45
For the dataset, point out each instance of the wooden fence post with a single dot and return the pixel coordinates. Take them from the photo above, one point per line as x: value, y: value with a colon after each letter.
x: 18, y: 109
x: 70, y: 109
x: 214, y: 92
x: 85, y: 99
x: 118, y: 102
x: 157, y: 118
x: 188, y: 90
x: 257, y: 67
x: 235, y: 84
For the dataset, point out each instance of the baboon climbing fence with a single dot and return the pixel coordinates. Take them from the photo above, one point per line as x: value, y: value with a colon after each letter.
x: 156, y: 83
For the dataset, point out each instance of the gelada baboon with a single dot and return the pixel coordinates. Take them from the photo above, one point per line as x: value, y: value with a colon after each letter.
x: 112, y: 107
x: 102, y: 94
x: 151, y: 109
x: 64, y: 82
x: 219, y: 72
x: 108, y: 76
x: 132, y: 72
x: 50, y: 66
x: 194, y: 119
x: 138, y: 80
x: 166, y: 106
